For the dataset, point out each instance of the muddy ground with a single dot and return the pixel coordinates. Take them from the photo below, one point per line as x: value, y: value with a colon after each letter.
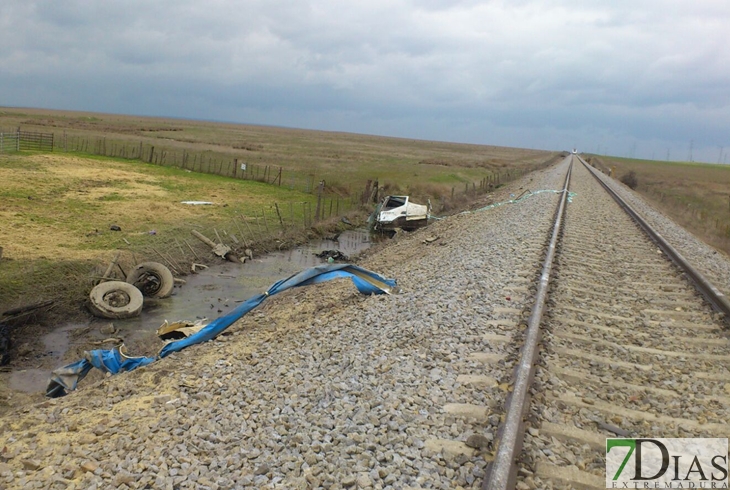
x: 43, y: 344
x: 289, y: 309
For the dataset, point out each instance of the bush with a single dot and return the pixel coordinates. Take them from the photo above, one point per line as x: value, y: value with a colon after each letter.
x: 630, y: 179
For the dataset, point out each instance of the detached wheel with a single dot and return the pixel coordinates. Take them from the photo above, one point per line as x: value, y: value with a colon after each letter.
x: 115, y: 299
x: 153, y: 279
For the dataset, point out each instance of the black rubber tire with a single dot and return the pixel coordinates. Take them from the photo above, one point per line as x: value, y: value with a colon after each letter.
x: 153, y: 279
x: 115, y: 299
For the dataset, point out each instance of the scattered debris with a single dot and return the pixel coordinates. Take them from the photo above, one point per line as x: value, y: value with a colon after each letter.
x: 612, y: 428
x: 334, y: 255
x: 180, y: 329
x: 114, y: 360
x: 197, y: 203
x: 110, y: 340
x: 431, y: 239
x: 115, y: 299
x: 115, y: 228
x: 218, y: 249
x: 112, y: 264
x: 108, y: 329
x: 153, y: 279
x: 194, y: 267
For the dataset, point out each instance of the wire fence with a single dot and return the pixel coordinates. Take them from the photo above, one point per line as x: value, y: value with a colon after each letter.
x: 241, y: 167
x: 16, y: 141
x: 25, y: 280
x: 201, y: 161
x: 9, y: 142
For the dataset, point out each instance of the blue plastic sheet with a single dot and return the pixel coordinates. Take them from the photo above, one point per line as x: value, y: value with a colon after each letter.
x: 115, y: 361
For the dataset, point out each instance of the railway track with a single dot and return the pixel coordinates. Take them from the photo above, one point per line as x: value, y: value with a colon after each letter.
x: 630, y: 348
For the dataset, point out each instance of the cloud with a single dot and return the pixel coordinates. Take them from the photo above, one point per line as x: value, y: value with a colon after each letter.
x: 477, y: 71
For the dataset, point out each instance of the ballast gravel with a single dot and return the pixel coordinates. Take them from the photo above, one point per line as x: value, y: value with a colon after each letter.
x: 320, y: 387
x: 713, y: 264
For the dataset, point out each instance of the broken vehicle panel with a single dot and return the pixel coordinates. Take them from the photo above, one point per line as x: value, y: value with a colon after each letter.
x: 400, y: 212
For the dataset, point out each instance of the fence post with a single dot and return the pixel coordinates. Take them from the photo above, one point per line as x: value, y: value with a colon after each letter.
x: 320, y: 189
x: 1, y: 142
x: 281, y: 221
x: 17, y: 141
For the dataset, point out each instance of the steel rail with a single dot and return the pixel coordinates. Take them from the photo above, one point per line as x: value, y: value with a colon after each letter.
x: 502, y: 472
x: 713, y: 295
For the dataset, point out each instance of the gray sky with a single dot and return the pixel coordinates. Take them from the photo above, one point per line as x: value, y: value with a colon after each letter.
x: 641, y: 77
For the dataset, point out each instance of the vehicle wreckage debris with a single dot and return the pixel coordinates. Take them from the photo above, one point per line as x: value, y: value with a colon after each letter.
x: 431, y: 239
x: 115, y: 299
x: 124, y: 299
x: 222, y: 251
x: 153, y: 279
x: 332, y: 254
x: 108, y: 273
x: 116, y: 360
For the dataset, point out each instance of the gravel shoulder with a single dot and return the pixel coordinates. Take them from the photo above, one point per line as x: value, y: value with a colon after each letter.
x: 712, y: 263
x: 320, y: 386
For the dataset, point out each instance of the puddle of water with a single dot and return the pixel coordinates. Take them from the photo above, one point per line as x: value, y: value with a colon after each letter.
x: 29, y: 380
x: 209, y: 294
x: 56, y: 343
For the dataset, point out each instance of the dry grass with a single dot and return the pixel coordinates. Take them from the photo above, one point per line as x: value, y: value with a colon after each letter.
x: 346, y: 161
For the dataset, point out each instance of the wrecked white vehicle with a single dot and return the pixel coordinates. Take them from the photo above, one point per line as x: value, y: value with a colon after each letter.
x: 399, y: 212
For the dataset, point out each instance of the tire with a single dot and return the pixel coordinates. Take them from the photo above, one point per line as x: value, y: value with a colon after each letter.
x: 153, y: 279
x: 115, y: 299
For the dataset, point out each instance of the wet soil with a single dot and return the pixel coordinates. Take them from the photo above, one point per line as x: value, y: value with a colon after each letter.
x: 210, y: 293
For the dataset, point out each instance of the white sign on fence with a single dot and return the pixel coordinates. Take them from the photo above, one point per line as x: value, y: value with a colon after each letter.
x: 243, y: 166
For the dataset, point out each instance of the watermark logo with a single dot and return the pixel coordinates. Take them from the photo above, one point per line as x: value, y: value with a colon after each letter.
x: 667, y: 463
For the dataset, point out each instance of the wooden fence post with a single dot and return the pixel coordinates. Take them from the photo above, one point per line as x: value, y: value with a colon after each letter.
x: 320, y: 189
x: 281, y: 221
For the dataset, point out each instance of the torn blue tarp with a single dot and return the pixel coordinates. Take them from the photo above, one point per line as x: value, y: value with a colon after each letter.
x: 115, y: 361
